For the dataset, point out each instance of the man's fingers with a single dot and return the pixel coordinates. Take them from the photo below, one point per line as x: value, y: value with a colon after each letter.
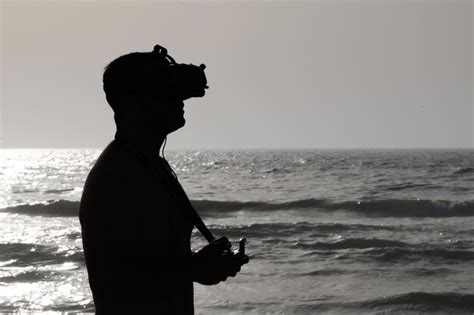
x: 241, y: 258
x: 233, y: 267
x: 220, y: 245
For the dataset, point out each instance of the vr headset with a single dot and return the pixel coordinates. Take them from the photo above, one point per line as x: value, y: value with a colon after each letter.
x: 184, y: 80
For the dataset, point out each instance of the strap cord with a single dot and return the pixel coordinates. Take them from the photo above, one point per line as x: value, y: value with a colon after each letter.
x: 197, y: 221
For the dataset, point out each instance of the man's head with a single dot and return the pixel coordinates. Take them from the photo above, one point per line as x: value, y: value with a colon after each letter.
x: 147, y: 90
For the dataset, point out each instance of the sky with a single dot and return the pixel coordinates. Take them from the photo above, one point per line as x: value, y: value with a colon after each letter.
x: 299, y: 74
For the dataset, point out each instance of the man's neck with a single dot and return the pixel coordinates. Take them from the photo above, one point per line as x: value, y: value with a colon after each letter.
x: 144, y: 143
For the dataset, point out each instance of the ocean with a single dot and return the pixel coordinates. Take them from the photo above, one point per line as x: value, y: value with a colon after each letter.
x: 329, y: 231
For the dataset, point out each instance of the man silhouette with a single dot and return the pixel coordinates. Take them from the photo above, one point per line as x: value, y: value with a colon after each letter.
x: 135, y: 217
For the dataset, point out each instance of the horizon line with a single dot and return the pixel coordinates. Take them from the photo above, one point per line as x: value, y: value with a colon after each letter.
x: 253, y: 148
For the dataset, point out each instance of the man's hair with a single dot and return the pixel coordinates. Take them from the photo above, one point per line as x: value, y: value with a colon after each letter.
x: 136, y: 72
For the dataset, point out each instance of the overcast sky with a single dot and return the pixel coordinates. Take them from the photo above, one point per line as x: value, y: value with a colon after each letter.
x: 314, y: 74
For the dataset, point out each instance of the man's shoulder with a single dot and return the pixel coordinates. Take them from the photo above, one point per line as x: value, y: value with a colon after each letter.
x: 115, y: 179
x: 118, y: 167
x: 114, y: 163
x: 119, y: 180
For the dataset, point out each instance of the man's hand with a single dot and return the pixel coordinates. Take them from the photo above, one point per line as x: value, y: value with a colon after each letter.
x: 215, y: 262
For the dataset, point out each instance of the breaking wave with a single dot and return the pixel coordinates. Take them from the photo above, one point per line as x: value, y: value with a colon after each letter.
x: 27, y: 255
x: 376, y: 208
x: 53, y: 208
x: 356, y: 243
x: 278, y: 231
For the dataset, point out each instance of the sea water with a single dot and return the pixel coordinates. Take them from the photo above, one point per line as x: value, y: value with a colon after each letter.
x: 329, y: 231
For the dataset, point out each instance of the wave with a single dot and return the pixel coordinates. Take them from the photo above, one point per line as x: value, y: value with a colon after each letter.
x: 424, y: 302
x: 378, y: 208
x: 27, y: 276
x: 417, y: 272
x: 279, y: 232
x: 71, y: 208
x: 230, y: 206
x: 24, y: 190
x: 404, y: 254
x: 262, y: 230
x: 409, y: 185
x: 356, y: 243
x: 272, y: 170
x: 27, y: 255
x: 323, y: 272
x: 58, y: 191
x: 430, y: 271
x: 412, y: 208
x: 375, y: 208
x: 463, y: 170
x: 54, y: 208
x: 438, y: 303
x: 381, y: 250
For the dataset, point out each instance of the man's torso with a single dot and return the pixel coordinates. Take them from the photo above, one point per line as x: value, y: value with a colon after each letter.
x: 134, y: 224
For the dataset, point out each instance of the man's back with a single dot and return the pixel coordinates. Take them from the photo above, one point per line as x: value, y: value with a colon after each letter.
x: 136, y: 236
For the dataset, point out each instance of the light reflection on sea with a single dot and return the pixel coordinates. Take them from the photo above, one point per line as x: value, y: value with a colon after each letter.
x: 328, y: 231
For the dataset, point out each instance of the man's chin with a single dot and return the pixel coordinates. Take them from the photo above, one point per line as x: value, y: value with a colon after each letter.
x: 178, y: 125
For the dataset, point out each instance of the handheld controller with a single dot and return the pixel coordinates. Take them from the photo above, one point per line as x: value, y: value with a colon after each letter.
x: 240, y: 250
x: 242, y: 245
